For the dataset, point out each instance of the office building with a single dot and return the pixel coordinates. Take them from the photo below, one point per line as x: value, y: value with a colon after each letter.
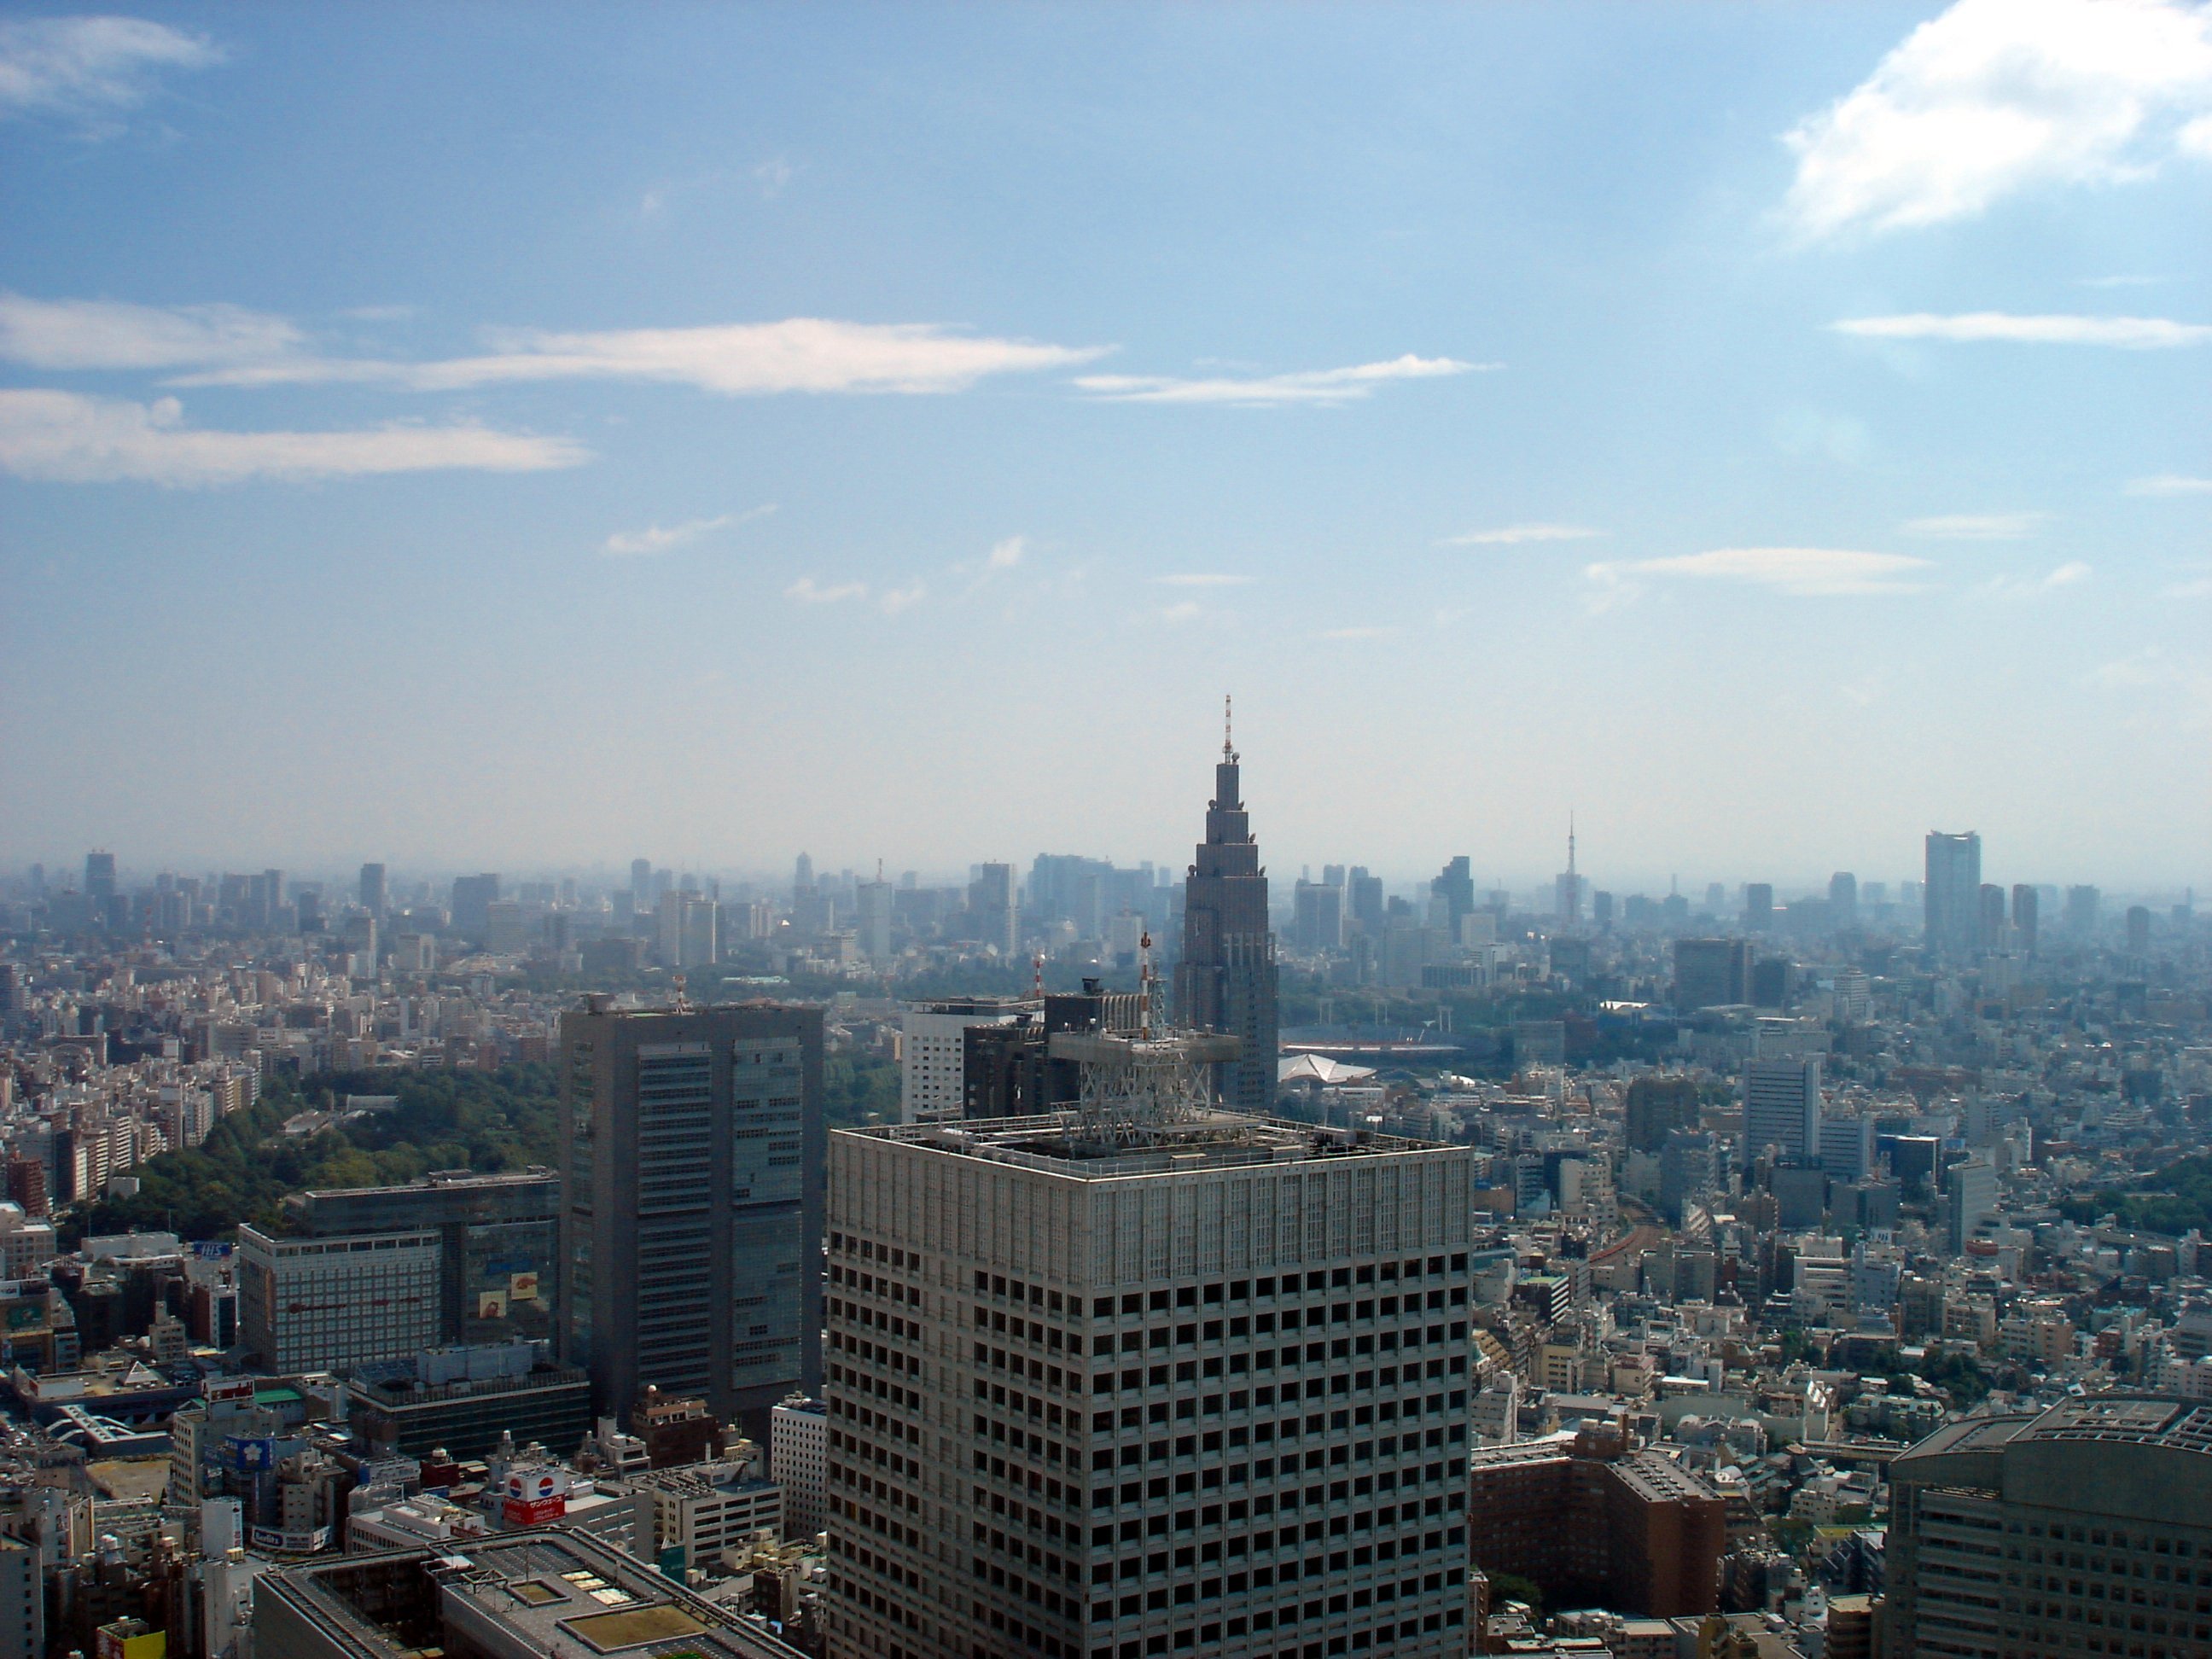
x: 323, y: 1304
x: 1226, y: 981
x: 2138, y: 930
x: 1951, y: 916
x: 1782, y: 1107
x: 798, y: 1461
x: 1991, y: 929
x: 871, y: 916
x: 1970, y: 1193
x: 1008, y: 1070
x: 370, y: 890
x: 686, y: 927
x: 692, y: 1203
x: 1567, y: 885
x: 1193, y: 1379
x: 1658, y: 1104
x: 933, y: 1053
x: 22, y: 1599
x: 519, y: 1595
x: 2024, y: 907
x: 1847, y: 1148
x: 471, y: 910
x: 995, y: 915
x: 465, y: 1399
x: 1759, y: 907
x: 2097, y: 1511
x: 499, y: 1244
x: 1363, y: 900
x: 1598, y: 1524
x: 1711, y: 973
x: 1317, y: 922
x: 1843, y: 901
x: 2081, y: 911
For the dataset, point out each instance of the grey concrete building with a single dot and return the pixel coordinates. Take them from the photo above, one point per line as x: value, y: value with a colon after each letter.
x: 2083, y: 1529
x: 1113, y: 1385
x: 691, y: 1208
x: 1226, y: 980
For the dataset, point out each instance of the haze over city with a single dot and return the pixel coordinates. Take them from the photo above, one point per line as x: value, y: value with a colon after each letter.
x: 520, y: 438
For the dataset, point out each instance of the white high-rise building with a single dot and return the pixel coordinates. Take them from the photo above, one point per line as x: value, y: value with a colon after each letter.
x: 1146, y: 1379
x: 1782, y: 1107
x: 933, y: 1038
x: 318, y: 1305
x: 798, y: 1445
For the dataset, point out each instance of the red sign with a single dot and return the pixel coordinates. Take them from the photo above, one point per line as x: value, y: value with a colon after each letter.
x: 533, y: 1511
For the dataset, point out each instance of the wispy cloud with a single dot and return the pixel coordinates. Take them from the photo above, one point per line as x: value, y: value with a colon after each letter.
x: 799, y: 354
x: 2197, y: 587
x: 2169, y: 484
x: 2070, y: 575
x: 2129, y: 333
x: 892, y: 600
x: 90, y: 67
x: 1320, y: 385
x: 1201, y: 579
x: 807, y: 591
x: 108, y: 334
x: 1183, y: 611
x: 1513, y: 535
x: 1347, y: 634
x: 1803, y: 572
x: 229, y: 345
x: 62, y: 437
x: 656, y: 539
x: 773, y: 176
x: 1978, y: 526
x: 2183, y: 684
x: 1006, y: 555
x: 1996, y: 97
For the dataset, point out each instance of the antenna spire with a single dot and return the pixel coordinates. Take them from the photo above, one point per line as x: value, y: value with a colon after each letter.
x: 1570, y: 840
x: 1228, y: 748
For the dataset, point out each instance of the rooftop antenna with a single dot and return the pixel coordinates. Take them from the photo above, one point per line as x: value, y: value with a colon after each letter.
x: 682, y: 1002
x: 1147, y: 984
x: 1570, y: 840
x: 1228, y: 749
x: 1037, y: 976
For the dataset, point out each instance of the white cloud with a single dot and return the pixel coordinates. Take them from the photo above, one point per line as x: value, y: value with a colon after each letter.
x: 807, y: 591
x: 1184, y: 610
x: 2129, y: 333
x: 2197, y: 587
x: 1201, y: 579
x: 1513, y: 535
x: 1006, y: 555
x: 1358, y: 633
x: 2169, y: 483
x: 1977, y: 526
x: 799, y: 354
x: 772, y: 176
x: 2034, y: 587
x: 1998, y: 96
x: 1805, y: 571
x: 892, y: 600
x: 108, y: 334
x: 653, y: 538
x: 62, y: 437
x: 1320, y: 385
x: 90, y: 66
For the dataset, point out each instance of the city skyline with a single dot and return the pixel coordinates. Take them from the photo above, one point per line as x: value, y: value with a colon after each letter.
x: 704, y: 420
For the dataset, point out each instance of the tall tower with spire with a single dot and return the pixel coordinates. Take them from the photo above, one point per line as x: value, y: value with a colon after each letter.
x: 1568, y: 883
x: 1226, y: 982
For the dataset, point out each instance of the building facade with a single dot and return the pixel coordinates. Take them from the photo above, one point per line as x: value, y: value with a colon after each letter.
x: 1782, y: 1107
x: 2083, y: 1529
x: 691, y: 1206
x: 933, y: 1053
x: 1952, y: 896
x: 309, y: 1304
x: 1096, y: 1396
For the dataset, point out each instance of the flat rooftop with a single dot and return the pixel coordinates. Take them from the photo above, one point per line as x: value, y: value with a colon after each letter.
x: 534, y: 1588
x: 1057, y: 1143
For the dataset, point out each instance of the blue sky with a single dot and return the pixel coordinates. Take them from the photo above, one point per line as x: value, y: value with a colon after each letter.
x: 525, y: 436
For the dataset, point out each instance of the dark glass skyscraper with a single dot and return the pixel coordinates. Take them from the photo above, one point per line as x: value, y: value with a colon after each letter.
x: 1226, y: 980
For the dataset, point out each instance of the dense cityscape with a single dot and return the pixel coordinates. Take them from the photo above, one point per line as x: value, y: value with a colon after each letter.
x: 1090, y: 1263
x: 1036, y: 830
